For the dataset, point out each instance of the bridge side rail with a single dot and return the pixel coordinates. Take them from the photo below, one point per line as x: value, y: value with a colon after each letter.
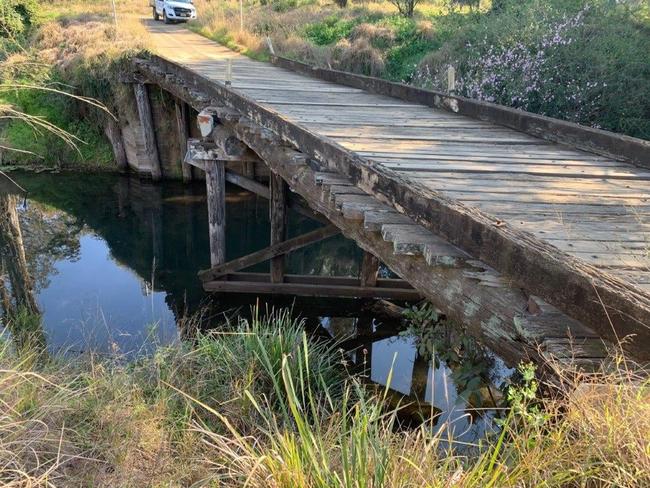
x: 616, y: 146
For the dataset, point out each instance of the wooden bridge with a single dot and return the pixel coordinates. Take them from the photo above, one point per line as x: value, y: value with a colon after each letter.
x: 532, y: 232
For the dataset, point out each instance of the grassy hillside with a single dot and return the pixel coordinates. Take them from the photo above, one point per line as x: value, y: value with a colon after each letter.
x: 580, y: 60
x: 59, y: 52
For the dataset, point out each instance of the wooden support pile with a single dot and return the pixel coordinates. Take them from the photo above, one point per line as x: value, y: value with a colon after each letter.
x: 148, y: 133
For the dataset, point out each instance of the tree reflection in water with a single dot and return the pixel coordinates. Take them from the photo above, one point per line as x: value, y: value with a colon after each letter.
x: 20, y: 313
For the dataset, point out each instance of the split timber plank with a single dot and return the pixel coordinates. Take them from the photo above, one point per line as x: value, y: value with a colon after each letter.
x: 419, y: 170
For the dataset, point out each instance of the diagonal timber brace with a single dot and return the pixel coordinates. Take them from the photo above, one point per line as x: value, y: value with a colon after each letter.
x: 279, y: 249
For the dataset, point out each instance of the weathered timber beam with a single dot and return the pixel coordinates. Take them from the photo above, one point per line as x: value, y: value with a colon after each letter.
x: 183, y: 126
x: 278, y: 217
x: 307, y: 286
x: 248, y: 184
x: 146, y: 124
x: 253, y: 186
x: 269, y: 252
x: 319, y: 280
x: 602, y: 301
x: 113, y: 132
x: 215, y: 180
x: 198, y: 150
x: 369, y: 269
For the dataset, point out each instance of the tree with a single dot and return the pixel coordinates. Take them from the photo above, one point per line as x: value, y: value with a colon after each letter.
x: 405, y: 7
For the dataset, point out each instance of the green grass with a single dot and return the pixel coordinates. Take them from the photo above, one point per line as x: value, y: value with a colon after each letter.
x: 260, y: 404
x: 93, y: 150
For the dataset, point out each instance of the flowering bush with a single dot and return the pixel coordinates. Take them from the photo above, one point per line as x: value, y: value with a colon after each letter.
x: 583, y: 65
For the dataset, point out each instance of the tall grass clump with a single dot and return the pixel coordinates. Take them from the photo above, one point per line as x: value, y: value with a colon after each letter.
x: 259, y: 403
x: 572, y: 441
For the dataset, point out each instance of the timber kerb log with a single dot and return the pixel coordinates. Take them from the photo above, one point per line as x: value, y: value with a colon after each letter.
x: 579, y: 289
x: 617, y: 146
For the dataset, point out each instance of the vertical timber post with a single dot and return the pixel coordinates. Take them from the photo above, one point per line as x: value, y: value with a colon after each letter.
x: 182, y: 121
x: 215, y: 180
x: 278, y: 209
x: 148, y: 132
x: 369, y: 270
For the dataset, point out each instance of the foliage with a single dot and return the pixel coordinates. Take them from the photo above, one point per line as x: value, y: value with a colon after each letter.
x: 16, y: 17
x: 439, y: 341
x: 569, y: 60
x: 330, y: 30
x: 523, y: 399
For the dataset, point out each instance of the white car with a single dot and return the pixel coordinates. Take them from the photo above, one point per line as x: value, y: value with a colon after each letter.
x: 173, y: 10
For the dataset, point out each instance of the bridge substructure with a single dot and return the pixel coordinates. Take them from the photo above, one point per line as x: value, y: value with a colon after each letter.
x: 522, y: 236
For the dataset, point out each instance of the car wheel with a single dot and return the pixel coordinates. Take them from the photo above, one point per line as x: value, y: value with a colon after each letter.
x: 155, y: 14
x: 165, y: 18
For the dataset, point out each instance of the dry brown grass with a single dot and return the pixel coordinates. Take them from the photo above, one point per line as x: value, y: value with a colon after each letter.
x: 359, y: 56
x: 107, y: 423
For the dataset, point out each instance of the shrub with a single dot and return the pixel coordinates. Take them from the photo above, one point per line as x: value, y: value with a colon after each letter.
x: 570, y: 60
x: 329, y: 31
x: 16, y: 16
x: 359, y: 56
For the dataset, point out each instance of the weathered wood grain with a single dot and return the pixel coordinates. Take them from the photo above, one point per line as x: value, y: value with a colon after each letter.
x: 215, y: 180
x: 278, y: 216
x: 146, y: 122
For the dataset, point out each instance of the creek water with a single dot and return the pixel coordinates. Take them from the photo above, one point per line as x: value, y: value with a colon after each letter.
x: 113, y: 261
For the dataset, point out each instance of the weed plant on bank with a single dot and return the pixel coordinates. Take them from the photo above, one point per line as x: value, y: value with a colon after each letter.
x: 261, y: 404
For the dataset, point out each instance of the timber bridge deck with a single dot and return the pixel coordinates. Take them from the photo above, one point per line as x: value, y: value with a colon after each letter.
x: 530, y: 231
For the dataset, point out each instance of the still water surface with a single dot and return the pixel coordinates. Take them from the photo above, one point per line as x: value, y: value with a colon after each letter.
x: 114, y: 260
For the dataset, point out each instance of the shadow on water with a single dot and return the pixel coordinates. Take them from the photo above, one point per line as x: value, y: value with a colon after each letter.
x: 109, y: 263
